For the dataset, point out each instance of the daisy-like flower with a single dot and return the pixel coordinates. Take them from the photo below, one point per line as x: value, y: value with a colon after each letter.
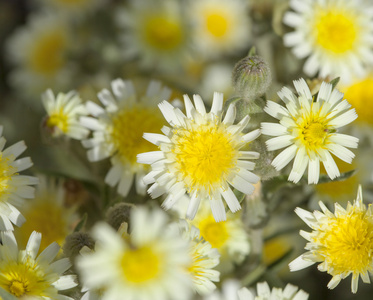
x: 47, y: 214
x: 27, y: 275
x: 219, y: 27
x: 63, y: 114
x: 290, y: 292
x: 44, y: 64
x: 199, y: 155
x: 335, y: 35
x: 308, y: 130
x: 342, y: 241
x: 204, y: 259
x: 156, y: 32
x: 14, y: 188
x: 150, y: 263
x: 118, y: 130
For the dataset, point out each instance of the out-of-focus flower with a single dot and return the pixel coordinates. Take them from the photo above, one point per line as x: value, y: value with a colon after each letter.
x: 118, y: 130
x: 63, y: 113
x: 229, y: 291
x: 290, y: 292
x: 75, y: 7
x: 204, y: 259
x: 199, y: 155
x: 219, y: 27
x: 155, y: 32
x: 47, y: 214
x: 149, y: 263
x: 28, y: 276
x: 342, y: 241
x: 14, y: 188
x: 44, y: 64
x: 308, y: 130
x: 335, y: 35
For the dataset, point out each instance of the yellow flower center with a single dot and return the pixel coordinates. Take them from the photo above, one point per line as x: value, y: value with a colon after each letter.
x: 140, y: 265
x: 47, y: 217
x: 312, y: 132
x: 58, y: 120
x: 20, y: 279
x: 347, y: 243
x: 128, y: 127
x: 360, y: 95
x: 198, y: 262
x: 204, y: 155
x: 336, y: 31
x: 215, y: 233
x: 163, y: 32
x: 47, y: 54
x: 217, y: 23
x: 6, y: 172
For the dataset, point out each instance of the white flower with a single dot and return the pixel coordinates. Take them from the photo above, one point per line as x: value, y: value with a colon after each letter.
x: 219, y: 27
x: 118, y: 130
x: 290, y: 292
x: 14, y: 188
x: 342, y: 241
x: 335, y: 35
x: 204, y: 259
x: 44, y: 64
x: 308, y: 129
x: 200, y: 156
x: 26, y: 275
x: 63, y: 114
x: 155, y: 33
x: 150, y: 263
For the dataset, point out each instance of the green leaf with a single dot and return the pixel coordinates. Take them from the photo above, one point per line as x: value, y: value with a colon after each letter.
x: 239, y: 195
x: 334, y: 82
x: 81, y: 223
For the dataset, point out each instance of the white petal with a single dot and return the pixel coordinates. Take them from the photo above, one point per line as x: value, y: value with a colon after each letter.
x: 217, y: 104
x: 230, y: 199
x: 299, y: 263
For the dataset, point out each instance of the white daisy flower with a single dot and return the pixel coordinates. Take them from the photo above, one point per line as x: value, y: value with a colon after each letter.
x: 204, y: 259
x: 342, y: 241
x: 200, y: 156
x: 25, y: 274
x: 14, y: 188
x: 44, y: 64
x: 335, y: 35
x: 290, y: 292
x: 47, y: 214
x: 219, y: 27
x: 118, y: 129
x: 155, y: 32
x: 308, y: 130
x: 64, y: 112
x: 150, y: 263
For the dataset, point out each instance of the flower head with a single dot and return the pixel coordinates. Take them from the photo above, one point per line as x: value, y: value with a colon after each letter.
x: 118, y: 130
x: 200, y: 156
x: 204, y: 259
x: 308, y: 129
x: 25, y: 274
x: 342, y: 241
x: 220, y: 27
x: 335, y: 35
x: 290, y: 292
x: 63, y: 114
x: 151, y: 262
x: 14, y: 188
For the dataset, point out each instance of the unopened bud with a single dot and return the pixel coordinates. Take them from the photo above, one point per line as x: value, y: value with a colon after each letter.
x: 251, y: 77
x: 118, y: 214
x: 75, y: 242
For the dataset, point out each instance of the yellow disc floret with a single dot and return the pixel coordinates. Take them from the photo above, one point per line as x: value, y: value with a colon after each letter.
x: 204, y: 155
x: 346, y: 243
x: 140, y: 264
x: 214, y: 232
x: 6, y: 172
x: 217, y: 23
x: 47, y: 54
x: 336, y: 31
x: 163, y: 32
x: 312, y: 132
x: 128, y: 127
x: 59, y: 120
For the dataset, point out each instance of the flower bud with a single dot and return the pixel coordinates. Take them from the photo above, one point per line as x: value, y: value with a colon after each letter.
x: 251, y: 77
x: 118, y: 214
x: 75, y: 242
